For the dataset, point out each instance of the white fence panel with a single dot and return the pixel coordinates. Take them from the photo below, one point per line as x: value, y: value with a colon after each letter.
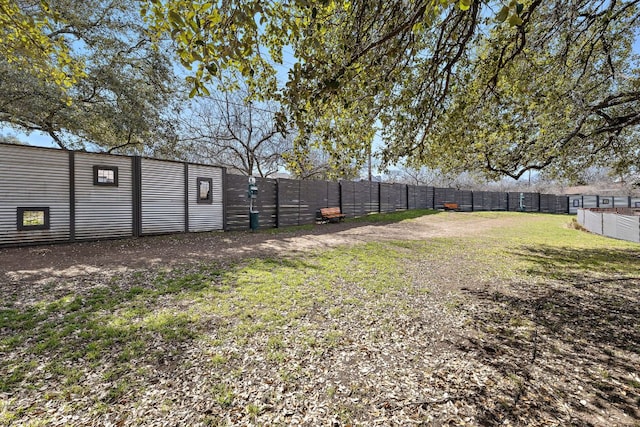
x: 581, y: 216
x: 628, y: 228
x: 593, y: 221
x: 609, y: 222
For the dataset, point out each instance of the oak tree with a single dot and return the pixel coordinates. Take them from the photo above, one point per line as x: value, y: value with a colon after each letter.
x: 116, y: 103
x: 499, y: 86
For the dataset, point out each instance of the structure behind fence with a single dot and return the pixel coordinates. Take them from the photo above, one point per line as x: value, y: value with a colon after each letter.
x: 49, y: 195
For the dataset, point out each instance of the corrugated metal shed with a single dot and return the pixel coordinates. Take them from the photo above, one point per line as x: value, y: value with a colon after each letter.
x: 102, y: 211
x: 34, y: 178
x: 162, y: 197
x: 621, y: 202
x: 205, y: 215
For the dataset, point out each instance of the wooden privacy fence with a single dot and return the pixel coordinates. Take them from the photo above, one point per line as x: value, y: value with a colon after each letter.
x: 287, y: 202
x: 49, y: 195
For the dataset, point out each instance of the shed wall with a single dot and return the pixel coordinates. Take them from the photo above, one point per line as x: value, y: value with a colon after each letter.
x: 162, y: 199
x: 103, y: 211
x: 33, y: 177
x: 205, y: 216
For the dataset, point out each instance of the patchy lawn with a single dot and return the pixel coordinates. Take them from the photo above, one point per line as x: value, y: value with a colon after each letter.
x: 505, y: 318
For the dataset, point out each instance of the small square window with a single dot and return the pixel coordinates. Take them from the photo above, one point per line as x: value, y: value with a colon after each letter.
x: 636, y: 204
x: 105, y: 175
x: 605, y: 201
x: 33, y: 219
x: 576, y: 203
x: 204, y: 190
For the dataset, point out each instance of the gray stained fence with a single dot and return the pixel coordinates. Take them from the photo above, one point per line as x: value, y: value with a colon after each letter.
x: 620, y: 223
x: 49, y: 195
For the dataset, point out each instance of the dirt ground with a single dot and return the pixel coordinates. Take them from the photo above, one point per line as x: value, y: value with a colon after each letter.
x: 457, y: 342
x: 32, y: 264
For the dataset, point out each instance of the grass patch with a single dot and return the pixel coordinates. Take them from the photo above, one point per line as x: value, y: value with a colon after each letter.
x: 144, y: 319
x: 394, y: 216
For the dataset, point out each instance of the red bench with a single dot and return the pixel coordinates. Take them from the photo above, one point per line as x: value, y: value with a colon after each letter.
x: 451, y: 207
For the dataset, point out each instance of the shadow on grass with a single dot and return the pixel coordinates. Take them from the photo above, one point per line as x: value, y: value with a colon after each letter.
x: 53, y: 338
x: 569, y: 337
x: 30, y: 264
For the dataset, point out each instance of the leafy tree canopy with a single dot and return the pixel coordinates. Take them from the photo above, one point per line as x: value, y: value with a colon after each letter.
x: 493, y: 85
x: 27, y: 40
x: 117, y: 97
x: 498, y: 86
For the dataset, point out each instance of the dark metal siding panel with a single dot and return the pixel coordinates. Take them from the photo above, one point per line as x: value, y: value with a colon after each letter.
x: 400, y: 197
x: 547, y: 203
x: 374, y: 198
x: 288, y: 202
x: 237, y: 209
x: 562, y: 204
x: 361, y: 198
x: 530, y: 200
x: 162, y: 197
x: 313, y: 196
x: 514, y: 201
x: 421, y: 197
x: 33, y: 177
x: 333, y: 194
x: 439, y: 198
x: 204, y: 216
x: 266, y: 202
x: 431, y: 202
x: 386, y: 200
x: 499, y: 201
x: 445, y: 195
x: 412, y: 197
x: 102, y: 211
x: 464, y: 199
x: 348, y: 191
x: 481, y: 201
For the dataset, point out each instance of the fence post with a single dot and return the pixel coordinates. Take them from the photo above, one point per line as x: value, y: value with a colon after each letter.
x: 340, y: 196
x: 225, y: 198
x: 406, y: 192
x: 72, y: 196
x: 277, y: 202
x: 186, y: 197
x: 539, y: 200
x: 136, y: 188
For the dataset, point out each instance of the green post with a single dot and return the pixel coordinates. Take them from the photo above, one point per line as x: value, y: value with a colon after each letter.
x: 254, y: 220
